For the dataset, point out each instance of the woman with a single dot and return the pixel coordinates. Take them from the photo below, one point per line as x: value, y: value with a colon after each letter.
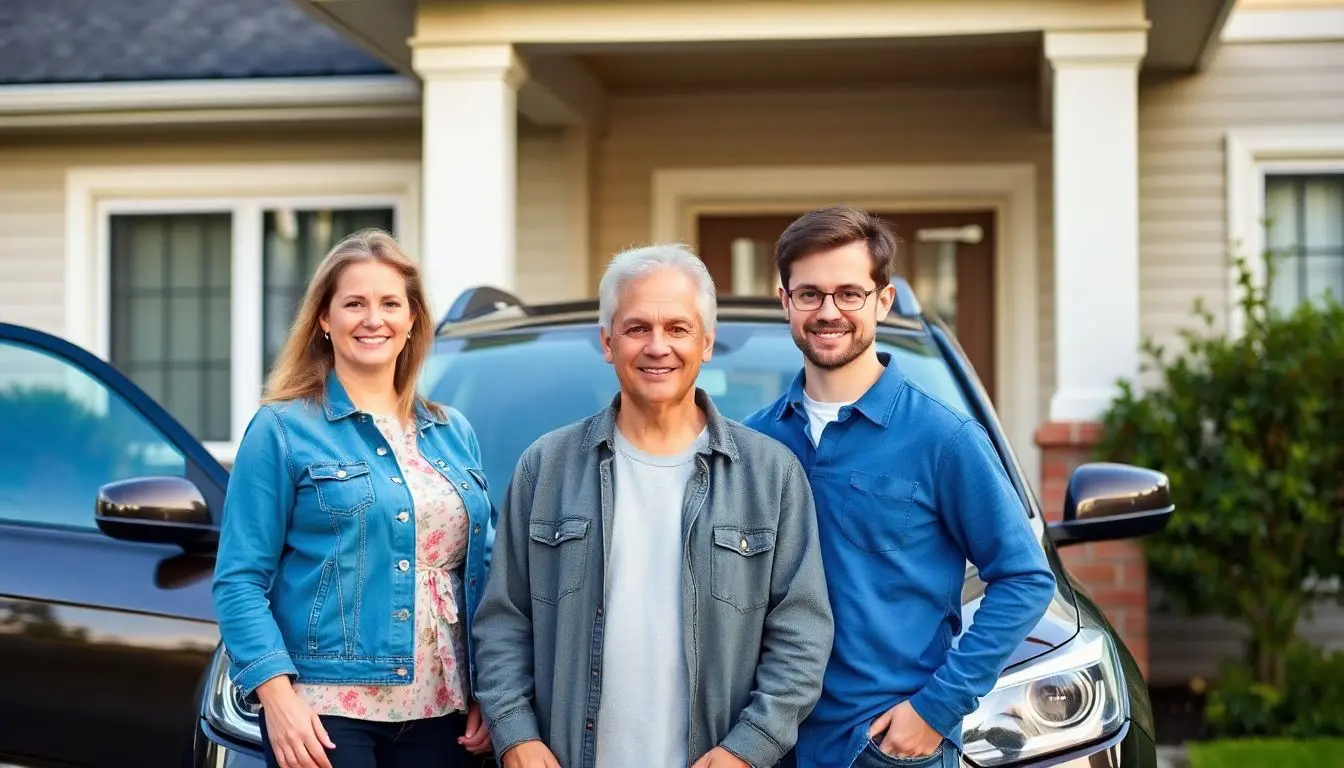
x: 356, y: 534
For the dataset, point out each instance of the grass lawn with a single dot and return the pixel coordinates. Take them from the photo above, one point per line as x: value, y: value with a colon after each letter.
x: 1265, y: 753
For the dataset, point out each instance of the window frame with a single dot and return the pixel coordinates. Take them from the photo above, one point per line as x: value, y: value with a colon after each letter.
x: 245, y: 191
x: 1252, y: 156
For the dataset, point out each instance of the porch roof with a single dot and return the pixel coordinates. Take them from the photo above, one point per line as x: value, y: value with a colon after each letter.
x: 87, y: 41
x: 1182, y: 37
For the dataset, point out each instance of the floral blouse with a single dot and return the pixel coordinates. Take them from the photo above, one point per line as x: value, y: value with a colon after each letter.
x: 441, y: 545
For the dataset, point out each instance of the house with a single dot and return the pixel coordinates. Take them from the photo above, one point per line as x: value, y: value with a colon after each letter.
x: 1067, y: 175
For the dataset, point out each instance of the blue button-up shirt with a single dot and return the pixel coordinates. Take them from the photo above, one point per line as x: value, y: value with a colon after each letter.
x: 907, y: 490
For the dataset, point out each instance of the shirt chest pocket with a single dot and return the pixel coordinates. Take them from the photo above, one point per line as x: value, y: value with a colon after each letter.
x: 558, y: 557
x: 878, y: 510
x: 343, y: 488
x: 740, y: 566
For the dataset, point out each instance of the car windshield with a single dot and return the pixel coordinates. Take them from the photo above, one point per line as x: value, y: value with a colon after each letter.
x: 515, y: 386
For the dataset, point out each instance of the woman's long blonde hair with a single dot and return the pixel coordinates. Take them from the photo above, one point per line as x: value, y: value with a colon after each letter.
x: 302, y: 367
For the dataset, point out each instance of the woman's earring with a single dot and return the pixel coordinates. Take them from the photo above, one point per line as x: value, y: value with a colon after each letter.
x: 408, y: 334
x: 328, y: 335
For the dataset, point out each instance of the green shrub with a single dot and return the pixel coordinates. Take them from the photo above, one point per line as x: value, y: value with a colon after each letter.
x: 1309, y: 704
x: 1250, y: 430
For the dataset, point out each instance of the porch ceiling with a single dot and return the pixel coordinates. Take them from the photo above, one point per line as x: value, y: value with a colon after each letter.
x: 927, y: 60
x: 1184, y: 35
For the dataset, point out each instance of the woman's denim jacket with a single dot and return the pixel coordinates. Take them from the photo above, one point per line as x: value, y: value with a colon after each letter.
x: 316, y: 570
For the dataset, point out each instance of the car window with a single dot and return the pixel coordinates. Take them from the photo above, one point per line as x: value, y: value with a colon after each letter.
x: 516, y: 386
x: 66, y: 434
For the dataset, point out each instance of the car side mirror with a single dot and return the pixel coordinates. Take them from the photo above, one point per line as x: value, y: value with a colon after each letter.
x: 155, y: 510
x: 1108, y: 501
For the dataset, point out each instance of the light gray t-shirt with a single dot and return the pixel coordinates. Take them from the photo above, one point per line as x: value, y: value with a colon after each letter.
x: 642, y: 715
x: 819, y: 415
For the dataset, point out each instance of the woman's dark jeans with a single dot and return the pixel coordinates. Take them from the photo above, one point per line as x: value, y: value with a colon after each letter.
x: 412, y: 744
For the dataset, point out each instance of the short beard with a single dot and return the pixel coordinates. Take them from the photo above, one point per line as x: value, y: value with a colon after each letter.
x: 858, y: 345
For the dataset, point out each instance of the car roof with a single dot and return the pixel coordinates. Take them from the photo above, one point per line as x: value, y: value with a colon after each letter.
x: 486, y: 309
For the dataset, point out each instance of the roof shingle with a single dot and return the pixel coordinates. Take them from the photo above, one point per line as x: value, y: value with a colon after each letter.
x: 83, y: 41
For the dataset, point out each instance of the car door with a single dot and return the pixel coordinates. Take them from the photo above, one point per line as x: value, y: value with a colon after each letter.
x: 103, y: 643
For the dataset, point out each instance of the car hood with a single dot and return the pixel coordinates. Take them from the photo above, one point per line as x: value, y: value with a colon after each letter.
x: 1057, y: 626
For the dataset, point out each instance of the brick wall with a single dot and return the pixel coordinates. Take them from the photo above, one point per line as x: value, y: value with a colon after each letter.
x: 1112, y: 573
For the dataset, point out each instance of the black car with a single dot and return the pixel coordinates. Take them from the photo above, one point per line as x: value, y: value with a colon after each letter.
x: 109, y: 651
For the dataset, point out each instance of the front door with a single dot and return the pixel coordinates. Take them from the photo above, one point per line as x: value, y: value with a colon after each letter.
x: 948, y: 258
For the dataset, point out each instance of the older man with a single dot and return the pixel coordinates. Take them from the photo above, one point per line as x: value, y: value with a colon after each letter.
x: 656, y: 596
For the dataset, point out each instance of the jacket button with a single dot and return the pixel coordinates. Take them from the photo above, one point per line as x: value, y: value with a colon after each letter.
x: 464, y: 486
x: 401, y: 671
x: 397, y: 480
x: 743, y: 545
x: 472, y: 580
x: 588, y: 725
x: 476, y: 530
x: 382, y: 451
x: 403, y: 565
x: 340, y: 473
x: 442, y: 463
x: 403, y: 517
x: 403, y: 614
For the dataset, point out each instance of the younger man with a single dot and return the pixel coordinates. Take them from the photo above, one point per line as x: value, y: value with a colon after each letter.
x: 907, y: 490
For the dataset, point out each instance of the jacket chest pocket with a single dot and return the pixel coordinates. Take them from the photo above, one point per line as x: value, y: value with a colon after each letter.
x: 877, y: 511
x: 343, y: 488
x: 740, y: 566
x: 558, y: 557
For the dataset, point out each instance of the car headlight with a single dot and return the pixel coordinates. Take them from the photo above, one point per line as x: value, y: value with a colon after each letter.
x: 225, y: 709
x: 1068, y: 698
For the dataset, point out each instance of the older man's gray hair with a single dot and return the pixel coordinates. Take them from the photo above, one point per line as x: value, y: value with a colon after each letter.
x: 635, y: 263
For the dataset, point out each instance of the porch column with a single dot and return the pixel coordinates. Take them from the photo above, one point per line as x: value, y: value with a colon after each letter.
x: 1096, y: 217
x: 1096, y: 169
x: 469, y: 167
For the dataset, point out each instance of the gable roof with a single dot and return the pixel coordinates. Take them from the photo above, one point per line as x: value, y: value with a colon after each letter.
x: 87, y: 41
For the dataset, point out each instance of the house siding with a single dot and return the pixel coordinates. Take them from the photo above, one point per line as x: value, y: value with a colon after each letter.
x: 944, y: 125
x: 1184, y: 249
x: 32, y: 200
x: 552, y: 216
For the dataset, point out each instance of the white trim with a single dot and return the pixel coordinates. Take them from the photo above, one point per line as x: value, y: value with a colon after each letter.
x: 1250, y: 155
x: 273, y: 98
x: 245, y: 190
x: 1285, y: 26
x: 680, y: 195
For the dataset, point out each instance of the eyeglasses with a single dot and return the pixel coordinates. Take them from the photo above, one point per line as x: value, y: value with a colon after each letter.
x: 845, y: 299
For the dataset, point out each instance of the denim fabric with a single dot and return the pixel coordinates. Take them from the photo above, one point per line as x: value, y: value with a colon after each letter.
x: 945, y: 756
x: 316, y: 567
x: 756, y: 623
x: 410, y: 744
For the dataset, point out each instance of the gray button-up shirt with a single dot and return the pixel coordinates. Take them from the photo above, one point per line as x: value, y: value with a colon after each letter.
x: 756, y: 621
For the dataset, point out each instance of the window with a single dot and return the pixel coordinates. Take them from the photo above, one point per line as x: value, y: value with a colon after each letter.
x: 171, y: 287
x: 176, y: 301
x: 1305, y: 236
x: 67, y: 434
x: 187, y: 277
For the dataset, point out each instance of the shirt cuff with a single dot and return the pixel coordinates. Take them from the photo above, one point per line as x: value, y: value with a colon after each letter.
x: 934, y: 711
x: 273, y: 664
x: 513, y: 729
x: 752, y: 744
